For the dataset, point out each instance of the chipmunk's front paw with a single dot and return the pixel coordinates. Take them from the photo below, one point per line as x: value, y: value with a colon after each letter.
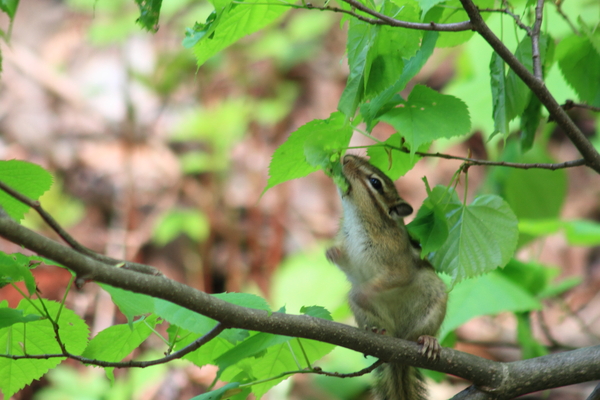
x: 334, y: 254
x: 431, y: 347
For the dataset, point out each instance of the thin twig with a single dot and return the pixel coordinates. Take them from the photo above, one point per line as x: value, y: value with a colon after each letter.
x: 473, y: 161
x: 560, y: 11
x: 570, y: 104
x: 546, y: 329
x: 380, y: 19
x: 514, y: 16
x: 195, y: 345
x: 60, y: 231
x: 431, y: 26
x: 535, y: 40
x: 363, y: 371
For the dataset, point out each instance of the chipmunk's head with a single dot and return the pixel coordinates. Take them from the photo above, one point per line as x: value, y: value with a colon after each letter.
x: 371, y: 191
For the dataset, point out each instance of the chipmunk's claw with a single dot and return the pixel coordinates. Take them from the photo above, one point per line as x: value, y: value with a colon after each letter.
x: 430, y: 347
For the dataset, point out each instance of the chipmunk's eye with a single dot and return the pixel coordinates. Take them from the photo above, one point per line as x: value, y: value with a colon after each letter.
x: 376, y: 183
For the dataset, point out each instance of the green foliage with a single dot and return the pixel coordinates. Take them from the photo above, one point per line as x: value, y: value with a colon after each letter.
x: 38, y: 337
x: 489, y: 294
x: 376, y: 54
x: 579, y: 61
x: 469, y: 240
x: 314, y: 145
x: 427, y: 116
x: 10, y: 316
x: 392, y: 161
x: 15, y: 268
x: 192, y: 223
x: 511, y: 97
x: 26, y: 178
x: 230, y: 22
x: 117, y: 341
x: 149, y: 14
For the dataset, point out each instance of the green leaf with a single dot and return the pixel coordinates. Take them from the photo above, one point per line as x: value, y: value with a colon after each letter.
x: 318, y: 139
x: 535, y: 193
x: 376, y: 54
x: 9, y: 7
x: 131, y: 304
x: 450, y: 12
x: 385, y: 59
x: 207, y: 353
x: 539, y: 227
x: 38, y: 338
x: 12, y: 271
x: 218, y: 393
x: 489, y: 294
x: 233, y: 21
x: 192, y: 223
x: 499, y: 94
x: 426, y: 5
x: 579, y: 62
x: 428, y: 115
x: 372, y: 109
x: 530, y: 120
x: 317, y: 311
x: 118, y: 341
x: 482, y: 237
x: 530, y: 347
x: 10, y: 316
x: 559, y: 288
x: 582, y: 233
x: 430, y: 226
x: 286, y: 357
x: 531, y: 276
x: 361, y: 37
x: 250, y: 347
x: 26, y: 178
x: 201, y: 324
x: 394, y: 163
x: 275, y: 360
x: 308, y: 274
x: 149, y: 14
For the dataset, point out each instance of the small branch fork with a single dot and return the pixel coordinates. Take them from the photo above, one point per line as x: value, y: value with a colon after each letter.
x: 60, y: 231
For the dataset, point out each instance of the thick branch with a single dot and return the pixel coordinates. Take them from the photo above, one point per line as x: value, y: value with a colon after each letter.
x: 537, y: 87
x: 503, y: 380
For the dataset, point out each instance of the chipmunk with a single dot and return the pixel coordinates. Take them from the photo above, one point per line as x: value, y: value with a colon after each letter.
x: 394, y: 291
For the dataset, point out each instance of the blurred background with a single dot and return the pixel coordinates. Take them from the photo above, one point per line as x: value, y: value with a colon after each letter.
x: 161, y: 162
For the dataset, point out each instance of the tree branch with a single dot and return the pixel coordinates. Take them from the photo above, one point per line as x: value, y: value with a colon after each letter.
x: 195, y: 345
x: 474, y: 161
x: 60, y: 231
x: 535, y: 40
x: 514, y: 16
x: 537, y: 86
x: 489, y: 376
x: 431, y: 26
x: 570, y: 104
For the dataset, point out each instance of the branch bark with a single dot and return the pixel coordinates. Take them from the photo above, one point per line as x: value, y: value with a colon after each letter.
x: 498, y: 380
